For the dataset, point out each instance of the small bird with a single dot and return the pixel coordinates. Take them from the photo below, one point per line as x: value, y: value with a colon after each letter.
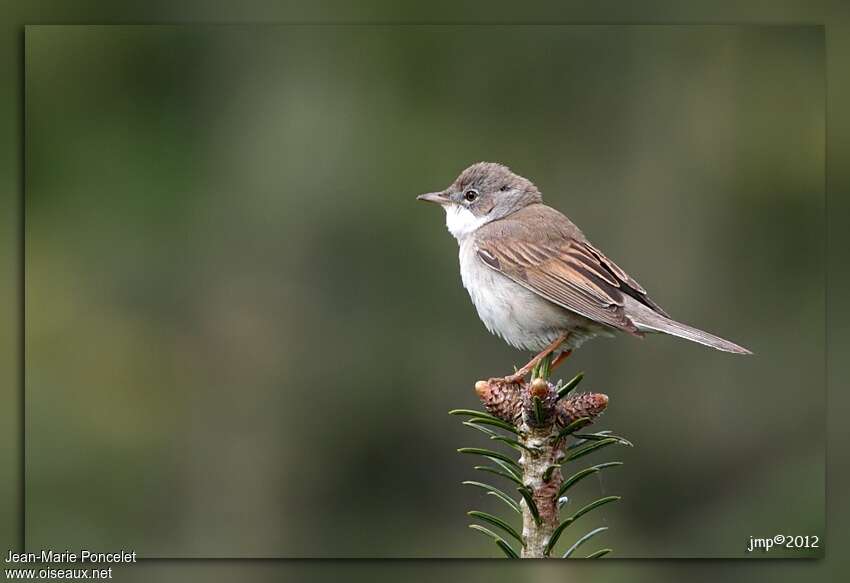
x: 535, y: 279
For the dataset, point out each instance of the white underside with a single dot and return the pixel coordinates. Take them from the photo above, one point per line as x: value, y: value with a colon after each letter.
x: 519, y: 316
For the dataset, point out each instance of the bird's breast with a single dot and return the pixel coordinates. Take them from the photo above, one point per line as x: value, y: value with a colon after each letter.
x: 519, y: 316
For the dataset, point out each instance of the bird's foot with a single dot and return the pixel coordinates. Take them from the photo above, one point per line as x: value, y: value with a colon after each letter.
x: 513, y: 379
x: 519, y: 376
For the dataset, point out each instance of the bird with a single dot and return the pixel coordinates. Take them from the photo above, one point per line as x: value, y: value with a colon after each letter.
x: 534, y: 278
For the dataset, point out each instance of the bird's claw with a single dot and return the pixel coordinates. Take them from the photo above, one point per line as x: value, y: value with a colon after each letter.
x: 513, y: 379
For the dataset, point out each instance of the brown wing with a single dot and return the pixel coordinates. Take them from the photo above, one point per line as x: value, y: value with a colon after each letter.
x: 569, y: 272
x: 626, y: 283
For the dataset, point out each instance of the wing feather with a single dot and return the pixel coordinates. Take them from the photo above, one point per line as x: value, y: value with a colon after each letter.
x: 571, y: 273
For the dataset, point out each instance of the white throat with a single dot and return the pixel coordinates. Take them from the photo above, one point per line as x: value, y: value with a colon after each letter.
x: 461, y: 222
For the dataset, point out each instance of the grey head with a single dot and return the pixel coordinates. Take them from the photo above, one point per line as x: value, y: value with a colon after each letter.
x: 484, y: 192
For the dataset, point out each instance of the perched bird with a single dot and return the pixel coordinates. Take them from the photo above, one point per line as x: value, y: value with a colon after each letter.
x: 535, y: 279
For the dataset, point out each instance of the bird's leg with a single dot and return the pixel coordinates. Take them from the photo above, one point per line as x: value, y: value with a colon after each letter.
x: 559, y: 359
x: 519, y: 375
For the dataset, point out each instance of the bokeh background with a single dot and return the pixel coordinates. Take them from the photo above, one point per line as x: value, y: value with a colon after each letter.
x: 243, y: 334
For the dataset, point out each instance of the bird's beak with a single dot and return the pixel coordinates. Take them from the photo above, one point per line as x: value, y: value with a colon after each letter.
x: 435, y: 197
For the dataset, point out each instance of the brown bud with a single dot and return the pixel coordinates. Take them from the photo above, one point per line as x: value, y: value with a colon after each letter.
x: 539, y: 388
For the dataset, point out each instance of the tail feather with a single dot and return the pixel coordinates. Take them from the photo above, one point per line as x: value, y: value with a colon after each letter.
x: 650, y: 321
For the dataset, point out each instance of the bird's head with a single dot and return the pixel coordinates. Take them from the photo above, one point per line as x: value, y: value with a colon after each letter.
x: 484, y: 192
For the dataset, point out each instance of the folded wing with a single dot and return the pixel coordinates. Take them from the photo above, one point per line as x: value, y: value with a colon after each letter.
x: 571, y: 273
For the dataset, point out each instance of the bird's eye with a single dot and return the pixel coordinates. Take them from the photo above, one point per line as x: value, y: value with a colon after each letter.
x: 470, y: 194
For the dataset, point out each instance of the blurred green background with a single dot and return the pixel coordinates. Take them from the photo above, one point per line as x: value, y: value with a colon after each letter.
x: 243, y: 334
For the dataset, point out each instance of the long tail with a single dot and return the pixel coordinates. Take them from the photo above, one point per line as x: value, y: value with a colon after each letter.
x: 648, y: 320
